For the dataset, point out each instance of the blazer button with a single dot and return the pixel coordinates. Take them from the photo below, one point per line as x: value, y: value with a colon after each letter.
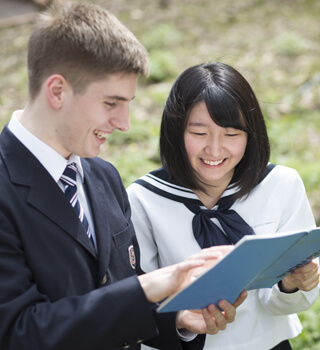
x: 126, y: 346
x: 104, y: 280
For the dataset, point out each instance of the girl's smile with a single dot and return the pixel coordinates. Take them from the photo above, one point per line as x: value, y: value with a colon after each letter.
x: 213, y: 151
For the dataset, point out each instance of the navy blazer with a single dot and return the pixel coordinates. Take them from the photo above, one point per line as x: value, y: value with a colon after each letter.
x: 56, y: 292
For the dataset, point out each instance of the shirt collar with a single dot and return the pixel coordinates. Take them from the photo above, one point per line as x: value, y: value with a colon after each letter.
x: 52, y: 161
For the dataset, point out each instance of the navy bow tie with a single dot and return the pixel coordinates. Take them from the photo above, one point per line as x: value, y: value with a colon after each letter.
x: 208, y: 234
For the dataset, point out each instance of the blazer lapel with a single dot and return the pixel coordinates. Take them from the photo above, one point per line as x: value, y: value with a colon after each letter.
x: 97, y: 197
x: 41, y: 196
x: 24, y: 169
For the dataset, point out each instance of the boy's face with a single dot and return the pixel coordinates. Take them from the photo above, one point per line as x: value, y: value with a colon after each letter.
x: 88, y: 118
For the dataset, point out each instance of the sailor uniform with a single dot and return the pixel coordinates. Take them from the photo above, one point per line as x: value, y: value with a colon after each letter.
x: 164, y: 214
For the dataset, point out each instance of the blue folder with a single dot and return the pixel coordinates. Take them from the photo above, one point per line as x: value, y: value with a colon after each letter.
x: 258, y: 261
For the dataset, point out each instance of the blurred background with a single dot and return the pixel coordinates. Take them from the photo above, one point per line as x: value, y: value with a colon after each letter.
x: 274, y: 44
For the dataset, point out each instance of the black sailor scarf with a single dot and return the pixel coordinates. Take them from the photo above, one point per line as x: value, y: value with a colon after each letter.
x: 205, y: 231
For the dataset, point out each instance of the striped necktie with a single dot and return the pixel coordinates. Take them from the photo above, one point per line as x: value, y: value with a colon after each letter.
x: 69, y: 181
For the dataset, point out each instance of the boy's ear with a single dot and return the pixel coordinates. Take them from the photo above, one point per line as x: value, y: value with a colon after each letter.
x: 55, y: 87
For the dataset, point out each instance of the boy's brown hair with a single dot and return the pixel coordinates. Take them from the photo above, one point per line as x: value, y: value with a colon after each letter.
x: 84, y: 43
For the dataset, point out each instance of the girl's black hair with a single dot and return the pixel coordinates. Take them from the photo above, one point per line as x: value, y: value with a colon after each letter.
x: 231, y: 102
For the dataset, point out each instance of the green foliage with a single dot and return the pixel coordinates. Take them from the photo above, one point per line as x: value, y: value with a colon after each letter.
x: 275, y: 44
x: 162, y: 36
x: 160, y: 42
x: 309, y: 339
x: 291, y: 44
x: 163, y: 66
x: 136, y: 162
x: 135, y: 152
x: 158, y: 94
x: 295, y: 143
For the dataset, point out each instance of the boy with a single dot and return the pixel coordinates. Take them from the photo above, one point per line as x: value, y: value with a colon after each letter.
x: 69, y: 272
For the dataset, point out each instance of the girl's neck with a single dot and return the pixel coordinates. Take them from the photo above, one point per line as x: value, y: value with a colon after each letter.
x: 210, y: 199
x: 213, y: 192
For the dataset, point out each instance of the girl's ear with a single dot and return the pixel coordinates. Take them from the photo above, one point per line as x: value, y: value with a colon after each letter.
x: 55, y: 87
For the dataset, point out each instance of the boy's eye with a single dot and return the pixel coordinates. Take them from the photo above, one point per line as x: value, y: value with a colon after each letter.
x: 111, y: 104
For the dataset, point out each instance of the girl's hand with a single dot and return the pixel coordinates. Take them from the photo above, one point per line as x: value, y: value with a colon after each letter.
x: 304, y: 278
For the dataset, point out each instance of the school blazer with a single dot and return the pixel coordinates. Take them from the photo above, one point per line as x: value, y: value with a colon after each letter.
x: 56, y: 292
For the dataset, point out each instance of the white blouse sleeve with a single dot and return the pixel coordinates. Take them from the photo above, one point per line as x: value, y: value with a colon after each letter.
x: 296, y: 214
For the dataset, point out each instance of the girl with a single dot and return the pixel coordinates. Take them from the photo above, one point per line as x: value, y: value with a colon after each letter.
x: 217, y: 185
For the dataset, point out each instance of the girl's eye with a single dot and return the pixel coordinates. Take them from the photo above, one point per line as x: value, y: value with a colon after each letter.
x: 232, y: 132
x: 197, y: 133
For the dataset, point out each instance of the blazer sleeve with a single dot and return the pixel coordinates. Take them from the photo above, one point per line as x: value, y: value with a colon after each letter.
x: 83, y: 318
x: 108, y: 317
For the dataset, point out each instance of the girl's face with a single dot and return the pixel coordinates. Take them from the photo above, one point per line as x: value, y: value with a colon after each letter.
x: 213, y: 151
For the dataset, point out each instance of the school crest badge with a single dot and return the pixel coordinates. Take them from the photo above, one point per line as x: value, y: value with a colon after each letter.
x: 132, y: 257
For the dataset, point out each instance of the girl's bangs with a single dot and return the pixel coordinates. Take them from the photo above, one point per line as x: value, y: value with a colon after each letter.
x: 224, y: 110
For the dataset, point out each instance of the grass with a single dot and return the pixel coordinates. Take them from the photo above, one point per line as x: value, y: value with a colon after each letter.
x: 275, y: 44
